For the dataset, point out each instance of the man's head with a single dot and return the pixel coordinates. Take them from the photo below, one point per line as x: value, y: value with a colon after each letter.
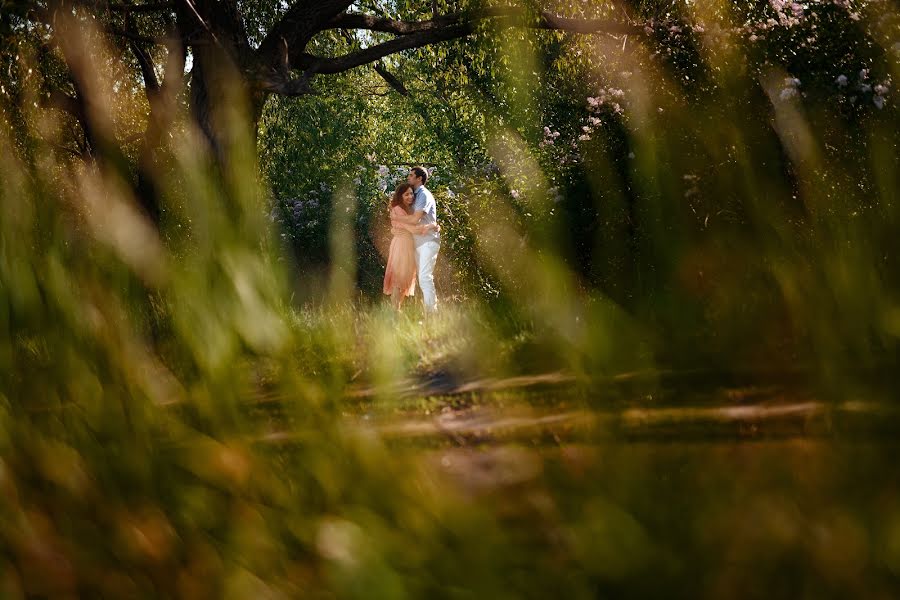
x: 417, y: 177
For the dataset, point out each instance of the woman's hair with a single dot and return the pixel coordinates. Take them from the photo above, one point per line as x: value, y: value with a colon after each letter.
x: 397, y: 198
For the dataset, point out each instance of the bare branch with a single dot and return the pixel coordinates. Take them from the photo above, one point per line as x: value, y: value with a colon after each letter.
x: 151, y: 83
x: 298, y: 25
x: 339, y: 64
x: 391, y: 79
x: 196, y: 14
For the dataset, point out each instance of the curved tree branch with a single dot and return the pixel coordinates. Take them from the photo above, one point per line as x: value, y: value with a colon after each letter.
x: 451, y: 27
x: 308, y: 17
x: 417, y: 34
x: 386, y: 25
x: 391, y: 79
x: 319, y: 65
x: 506, y: 16
x: 151, y: 82
x: 298, y: 25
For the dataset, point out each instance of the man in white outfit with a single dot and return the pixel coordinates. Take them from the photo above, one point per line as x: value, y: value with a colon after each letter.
x: 427, y: 245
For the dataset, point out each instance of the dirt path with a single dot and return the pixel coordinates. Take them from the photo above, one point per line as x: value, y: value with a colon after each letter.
x: 480, y: 424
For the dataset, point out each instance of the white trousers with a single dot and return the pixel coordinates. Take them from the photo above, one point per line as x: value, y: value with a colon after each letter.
x: 426, y: 258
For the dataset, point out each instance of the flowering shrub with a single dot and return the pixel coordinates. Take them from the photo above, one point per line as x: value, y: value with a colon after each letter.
x: 303, y: 221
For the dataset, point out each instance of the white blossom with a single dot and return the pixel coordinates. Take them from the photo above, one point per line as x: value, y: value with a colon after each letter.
x: 788, y: 93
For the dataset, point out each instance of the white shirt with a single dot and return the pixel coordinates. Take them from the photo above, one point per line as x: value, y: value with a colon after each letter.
x: 425, y: 202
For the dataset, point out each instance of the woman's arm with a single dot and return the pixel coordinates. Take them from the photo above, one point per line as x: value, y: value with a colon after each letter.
x: 413, y: 229
x: 409, y: 219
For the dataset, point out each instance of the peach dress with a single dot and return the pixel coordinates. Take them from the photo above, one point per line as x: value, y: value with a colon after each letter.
x: 401, y: 262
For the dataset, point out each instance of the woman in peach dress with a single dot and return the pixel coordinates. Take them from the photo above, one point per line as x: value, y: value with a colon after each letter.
x: 400, y: 274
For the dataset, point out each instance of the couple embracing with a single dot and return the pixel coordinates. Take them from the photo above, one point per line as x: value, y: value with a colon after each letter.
x: 415, y: 243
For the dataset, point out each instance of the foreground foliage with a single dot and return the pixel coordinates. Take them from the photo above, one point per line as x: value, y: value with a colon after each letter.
x: 185, y: 410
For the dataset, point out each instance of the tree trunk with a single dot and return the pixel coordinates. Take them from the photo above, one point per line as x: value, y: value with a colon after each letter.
x: 222, y: 58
